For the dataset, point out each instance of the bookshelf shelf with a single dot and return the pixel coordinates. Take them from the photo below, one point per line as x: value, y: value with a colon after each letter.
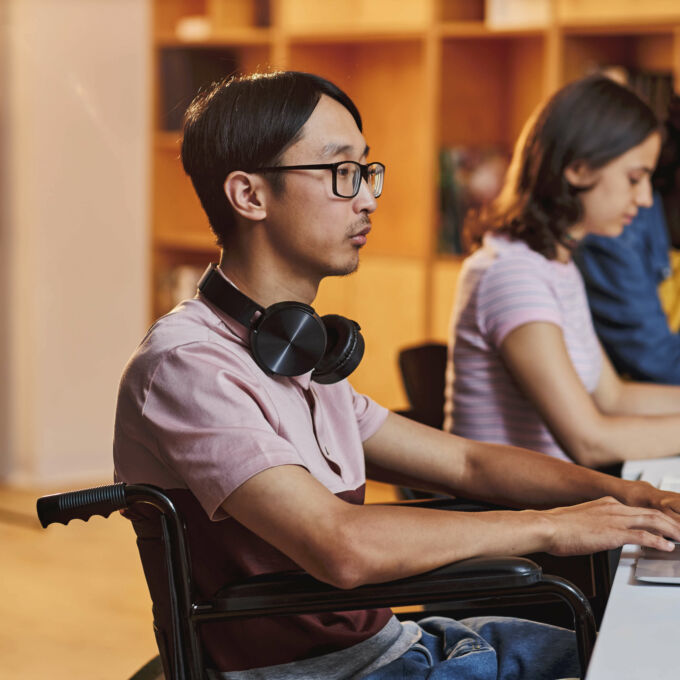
x: 616, y: 29
x: 366, y: 36
x: 478, y: 29
x: 427, y: 75
x: 242, y: 37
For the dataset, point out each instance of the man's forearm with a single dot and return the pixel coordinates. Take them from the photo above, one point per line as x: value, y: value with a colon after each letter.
x: 519, y: 478
x: 497, y: 473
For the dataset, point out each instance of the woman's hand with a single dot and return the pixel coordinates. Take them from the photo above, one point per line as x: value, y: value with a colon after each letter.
x: 644, y: 494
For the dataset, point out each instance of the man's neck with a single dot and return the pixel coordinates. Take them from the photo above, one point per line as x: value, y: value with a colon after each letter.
x: 267, y: 284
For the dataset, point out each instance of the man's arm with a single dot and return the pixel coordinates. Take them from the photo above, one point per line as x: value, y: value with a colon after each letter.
x: 407, y: 453
x: 347, y: 545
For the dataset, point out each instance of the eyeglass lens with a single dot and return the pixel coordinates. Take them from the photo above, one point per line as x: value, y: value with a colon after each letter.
x: 348, y: 178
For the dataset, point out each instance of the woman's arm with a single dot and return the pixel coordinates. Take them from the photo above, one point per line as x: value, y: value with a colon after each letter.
x: 614, y: 396
x: 537, y: 357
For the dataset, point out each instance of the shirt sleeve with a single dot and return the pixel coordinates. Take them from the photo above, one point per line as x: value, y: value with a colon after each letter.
x: 213, y: 426
x: 623, y: 296
x: 369, y: 414
x: 511, y: 293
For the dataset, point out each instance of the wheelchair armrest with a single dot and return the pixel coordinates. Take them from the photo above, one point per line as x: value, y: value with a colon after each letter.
x: 296, y: 592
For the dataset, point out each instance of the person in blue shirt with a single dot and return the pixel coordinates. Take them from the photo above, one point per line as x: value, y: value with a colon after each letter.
x: 622, y: 275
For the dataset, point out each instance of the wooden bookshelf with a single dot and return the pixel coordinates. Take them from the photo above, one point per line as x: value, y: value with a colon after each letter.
x: 425, y: 74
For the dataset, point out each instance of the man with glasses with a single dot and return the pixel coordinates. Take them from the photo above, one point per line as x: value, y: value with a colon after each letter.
x: 236, y: 403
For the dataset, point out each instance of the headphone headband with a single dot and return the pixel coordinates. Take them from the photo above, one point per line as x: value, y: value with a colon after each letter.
x: 227, y: 297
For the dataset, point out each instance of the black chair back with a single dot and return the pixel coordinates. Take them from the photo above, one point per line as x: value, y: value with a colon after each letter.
x: 423, y: 372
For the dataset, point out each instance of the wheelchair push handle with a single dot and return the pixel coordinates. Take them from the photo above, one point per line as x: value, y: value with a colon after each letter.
x: 63, y: 507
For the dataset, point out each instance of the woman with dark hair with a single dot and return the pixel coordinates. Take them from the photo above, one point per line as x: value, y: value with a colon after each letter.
x: 525, y: 366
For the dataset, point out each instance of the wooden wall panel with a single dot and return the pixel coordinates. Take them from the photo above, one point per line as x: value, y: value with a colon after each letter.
x: 391, y: 98
x: 178, y: 215
x: 527, y: 75
x: 445, y: 277
x: 474, y: 92
x: 582, y: 54
x: 462, y: 10
x: 338, y: 62
x: 654, y: 52
x: 385, y: 296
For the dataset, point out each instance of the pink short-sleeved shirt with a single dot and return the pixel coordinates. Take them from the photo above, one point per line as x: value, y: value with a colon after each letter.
x: 197, y: 417
x: 502, y: 286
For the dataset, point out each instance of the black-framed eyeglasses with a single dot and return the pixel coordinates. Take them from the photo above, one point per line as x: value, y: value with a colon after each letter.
x: 347, y: 176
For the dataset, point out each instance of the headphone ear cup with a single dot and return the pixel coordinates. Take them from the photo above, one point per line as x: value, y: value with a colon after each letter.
x: 344, y: 349
x: 288, y: 339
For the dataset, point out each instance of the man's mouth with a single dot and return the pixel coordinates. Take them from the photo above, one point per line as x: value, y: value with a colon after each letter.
x: 359, y: 238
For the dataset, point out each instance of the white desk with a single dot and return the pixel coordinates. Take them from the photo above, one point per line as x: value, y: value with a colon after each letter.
x: 640, y: 632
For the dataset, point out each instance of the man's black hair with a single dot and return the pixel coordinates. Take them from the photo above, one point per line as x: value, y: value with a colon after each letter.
x: 243, y: 123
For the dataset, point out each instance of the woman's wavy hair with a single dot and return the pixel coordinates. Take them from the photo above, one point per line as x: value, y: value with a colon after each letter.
x: 593, y: 120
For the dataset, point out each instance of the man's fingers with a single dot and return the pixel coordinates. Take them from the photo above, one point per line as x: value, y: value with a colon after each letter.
x: 650, y: 540
x: 666, y: 525
x: 607, y: 523
x: 653, y: 527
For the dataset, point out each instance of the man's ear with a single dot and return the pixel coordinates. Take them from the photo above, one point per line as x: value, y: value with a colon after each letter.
x: 245, y: 192
x: 580, y: 174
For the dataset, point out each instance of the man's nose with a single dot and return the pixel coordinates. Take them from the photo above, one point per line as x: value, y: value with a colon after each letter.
x: 365, y: 200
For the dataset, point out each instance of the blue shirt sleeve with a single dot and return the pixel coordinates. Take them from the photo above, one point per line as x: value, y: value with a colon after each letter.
x: 621, y: 276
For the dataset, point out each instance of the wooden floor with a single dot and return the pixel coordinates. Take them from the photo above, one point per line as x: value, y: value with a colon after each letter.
x: 74, y: 604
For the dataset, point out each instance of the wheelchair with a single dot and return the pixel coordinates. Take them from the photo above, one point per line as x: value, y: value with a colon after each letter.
x: 477, y: 582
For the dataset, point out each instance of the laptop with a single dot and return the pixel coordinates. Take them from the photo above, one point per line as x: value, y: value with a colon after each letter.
x: 663, y: 567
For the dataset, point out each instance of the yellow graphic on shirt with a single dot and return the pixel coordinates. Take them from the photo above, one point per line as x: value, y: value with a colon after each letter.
x: 669, y: 293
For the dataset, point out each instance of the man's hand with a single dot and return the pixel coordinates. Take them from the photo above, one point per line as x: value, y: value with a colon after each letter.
x: 645, y: 495
x: 607, y: 523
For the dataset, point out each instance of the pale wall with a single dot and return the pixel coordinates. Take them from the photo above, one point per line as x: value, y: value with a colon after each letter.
x: 74, y: 230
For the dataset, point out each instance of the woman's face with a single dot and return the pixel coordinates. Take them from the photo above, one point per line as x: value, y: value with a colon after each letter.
x: 618, y: 189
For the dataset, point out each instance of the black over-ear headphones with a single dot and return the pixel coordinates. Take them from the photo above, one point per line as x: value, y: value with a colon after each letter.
x: 289, y: 338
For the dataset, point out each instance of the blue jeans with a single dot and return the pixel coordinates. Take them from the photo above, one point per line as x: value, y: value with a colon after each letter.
x: 485, y: 648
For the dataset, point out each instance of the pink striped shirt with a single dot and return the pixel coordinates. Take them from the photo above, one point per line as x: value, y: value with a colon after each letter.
x: 502, y: 286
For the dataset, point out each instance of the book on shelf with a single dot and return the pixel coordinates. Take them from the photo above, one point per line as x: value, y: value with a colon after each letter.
x: 502, y: 14
x: 469, y: 179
